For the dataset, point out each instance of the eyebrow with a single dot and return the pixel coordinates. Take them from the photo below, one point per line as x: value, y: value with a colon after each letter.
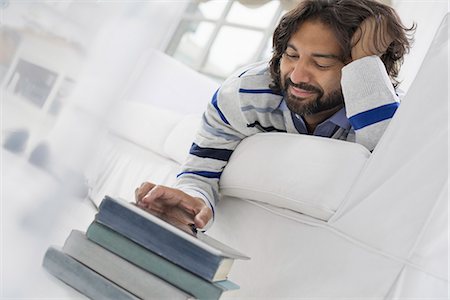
x: 320, y: 55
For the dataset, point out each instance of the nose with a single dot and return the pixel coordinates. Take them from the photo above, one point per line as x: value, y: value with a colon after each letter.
x: 300, y: 73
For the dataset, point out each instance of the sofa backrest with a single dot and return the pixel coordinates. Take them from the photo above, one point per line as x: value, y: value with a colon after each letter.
x: 167, y: 83
x: 401, y: 196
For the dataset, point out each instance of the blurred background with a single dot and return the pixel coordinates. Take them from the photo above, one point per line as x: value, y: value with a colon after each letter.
x: 65, y: 64
x: 47, y: 46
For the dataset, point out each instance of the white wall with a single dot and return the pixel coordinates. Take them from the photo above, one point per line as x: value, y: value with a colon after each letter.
x: 428, y: 15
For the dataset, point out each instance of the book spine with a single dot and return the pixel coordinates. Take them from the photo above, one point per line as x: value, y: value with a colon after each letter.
x: 118, y: 270
x: 81, y: 278
x: 153, y: 263
x: 157, y: 239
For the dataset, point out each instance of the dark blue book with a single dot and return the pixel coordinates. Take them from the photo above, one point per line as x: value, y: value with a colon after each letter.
x: 195, y: 252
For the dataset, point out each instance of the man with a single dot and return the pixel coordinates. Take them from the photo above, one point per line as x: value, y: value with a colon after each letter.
x: 332, y: 74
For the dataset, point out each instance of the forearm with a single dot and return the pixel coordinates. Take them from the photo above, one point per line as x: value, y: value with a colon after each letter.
x: 213, y: 145
x: 370, y: 99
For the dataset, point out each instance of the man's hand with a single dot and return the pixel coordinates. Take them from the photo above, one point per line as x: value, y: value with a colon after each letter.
x: 172, y: 204
x: 369, y: 40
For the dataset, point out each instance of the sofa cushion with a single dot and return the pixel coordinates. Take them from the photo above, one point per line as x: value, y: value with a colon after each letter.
x: 310, y: 175
x: 143, y: 124
x: 179, y: 141
x: 167, y: 83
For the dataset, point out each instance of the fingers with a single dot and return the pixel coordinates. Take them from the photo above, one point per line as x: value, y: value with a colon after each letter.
x: 165, y: 195
x: 203, y: 217
x: 141, y: 191
x: 150, y: 194
x: 201, y: 212
x: 153, y: 201
x: 172, y: 204
x: 371, y: 38
x: 381, y: 39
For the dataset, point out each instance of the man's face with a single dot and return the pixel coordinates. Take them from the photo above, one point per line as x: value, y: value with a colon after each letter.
x: 310, y: 70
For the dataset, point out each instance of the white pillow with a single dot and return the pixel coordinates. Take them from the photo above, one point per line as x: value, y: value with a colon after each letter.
x: 157, y: 85
x: 143, y: 124
x: 179, y: 141
x: 307, y: 174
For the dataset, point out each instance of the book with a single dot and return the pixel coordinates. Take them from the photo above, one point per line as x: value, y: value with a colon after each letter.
x: 200, y: 254
x: 118, y: 270
x: 151, y: 262
x: 82, y: 278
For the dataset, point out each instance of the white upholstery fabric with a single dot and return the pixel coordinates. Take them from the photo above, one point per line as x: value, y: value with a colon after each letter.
x: 310, y: 175
x: 151, y: 131
x: 179, y: 141
x: 167, y: 83
x: 145, y: 143
x: 295, y: 258
x: 124, y: 166
x: 143, y: 124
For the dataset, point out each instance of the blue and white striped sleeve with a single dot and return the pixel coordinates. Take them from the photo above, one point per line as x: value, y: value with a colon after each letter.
x: 219, y: 134
x: 370, y: 99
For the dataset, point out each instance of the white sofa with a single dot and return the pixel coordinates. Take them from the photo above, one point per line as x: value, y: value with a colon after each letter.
x: 368, y: 226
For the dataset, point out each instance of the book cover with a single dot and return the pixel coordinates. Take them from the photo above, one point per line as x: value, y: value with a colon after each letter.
x: 179, y: 277
x: 199, y: 254
x: 118, y: 270
x: 82, y: 278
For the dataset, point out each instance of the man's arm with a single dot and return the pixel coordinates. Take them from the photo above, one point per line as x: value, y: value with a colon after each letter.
x: 369, y: 95
x: 191, y: 201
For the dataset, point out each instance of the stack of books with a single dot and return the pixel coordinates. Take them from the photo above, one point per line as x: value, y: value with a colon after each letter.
x: 128, y: 253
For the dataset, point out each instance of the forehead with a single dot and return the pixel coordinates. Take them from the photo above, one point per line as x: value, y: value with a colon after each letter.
x: 313, y: 36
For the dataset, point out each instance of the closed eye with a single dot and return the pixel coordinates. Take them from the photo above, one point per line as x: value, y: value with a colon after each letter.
x: 322, y: 67
x: 291, y: 55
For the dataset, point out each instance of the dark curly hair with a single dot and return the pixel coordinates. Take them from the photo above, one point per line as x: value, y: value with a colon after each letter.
x: 344, y: 18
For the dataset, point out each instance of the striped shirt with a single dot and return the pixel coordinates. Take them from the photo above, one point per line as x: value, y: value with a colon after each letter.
x: 245, y: 105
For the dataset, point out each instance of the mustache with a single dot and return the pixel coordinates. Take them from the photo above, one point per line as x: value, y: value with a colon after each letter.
x: 303, y: 86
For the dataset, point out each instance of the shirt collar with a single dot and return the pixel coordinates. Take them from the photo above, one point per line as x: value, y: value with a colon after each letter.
x: 340, y: 119
x: 327, y: 127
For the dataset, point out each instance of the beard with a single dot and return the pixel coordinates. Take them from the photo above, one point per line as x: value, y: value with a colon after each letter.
x: 322, y: 102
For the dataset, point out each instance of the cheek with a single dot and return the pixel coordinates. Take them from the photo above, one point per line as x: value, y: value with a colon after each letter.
x: 332, y: 82
x: 284, y: 68
x: 287, y: 65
